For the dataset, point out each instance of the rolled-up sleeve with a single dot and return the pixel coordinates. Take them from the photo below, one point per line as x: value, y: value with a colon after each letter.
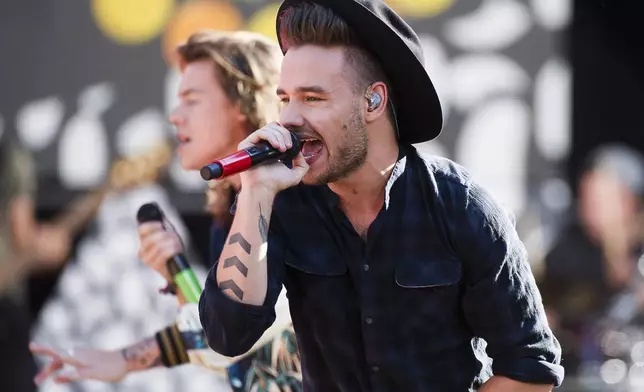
x: 231, y: 327
x: 501, y: 301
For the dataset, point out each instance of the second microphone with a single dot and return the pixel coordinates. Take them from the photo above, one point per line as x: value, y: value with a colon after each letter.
x: 249, y: 157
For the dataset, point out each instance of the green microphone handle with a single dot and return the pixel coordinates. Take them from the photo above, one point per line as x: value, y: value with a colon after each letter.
x: 184, y: 278
x: 182, y: 275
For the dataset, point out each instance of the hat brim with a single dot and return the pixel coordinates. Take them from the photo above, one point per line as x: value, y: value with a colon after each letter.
x: 416, y: 103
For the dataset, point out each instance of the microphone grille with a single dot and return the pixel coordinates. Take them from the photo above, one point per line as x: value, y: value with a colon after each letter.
x: 149, y: 212
x: 295, y: 149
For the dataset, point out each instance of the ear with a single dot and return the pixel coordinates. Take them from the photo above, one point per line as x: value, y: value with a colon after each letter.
x: 240, y: 116
x: 376, y: 99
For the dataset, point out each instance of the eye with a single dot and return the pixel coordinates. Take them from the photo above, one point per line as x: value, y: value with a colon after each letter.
x: 312, y: 99
x: 284, y: 100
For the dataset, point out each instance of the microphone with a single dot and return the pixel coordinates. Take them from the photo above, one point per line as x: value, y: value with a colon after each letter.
x: 247, y: 158
x: 182, y: 275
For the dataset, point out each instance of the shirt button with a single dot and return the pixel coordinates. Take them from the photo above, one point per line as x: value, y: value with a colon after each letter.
x: 365, y: 267
x: 368, y: 320
x: 375, y: 369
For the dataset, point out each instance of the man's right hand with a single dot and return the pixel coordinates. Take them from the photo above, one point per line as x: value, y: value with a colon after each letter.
x: 83, y: 363
x: 273, y: 177
x: 158, y: 244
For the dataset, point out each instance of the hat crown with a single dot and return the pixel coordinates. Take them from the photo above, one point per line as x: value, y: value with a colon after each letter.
x: 397, y: 24
x: 384, y: 33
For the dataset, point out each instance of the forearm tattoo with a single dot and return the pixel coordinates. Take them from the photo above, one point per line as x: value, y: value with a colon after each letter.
x: 237, y: 238
x: 230, y: 284
x: 229, y: 262
x: 143, y: 355
x: 263, y: 226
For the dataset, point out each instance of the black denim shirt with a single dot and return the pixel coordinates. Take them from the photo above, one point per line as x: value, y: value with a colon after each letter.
x: 438, y: 298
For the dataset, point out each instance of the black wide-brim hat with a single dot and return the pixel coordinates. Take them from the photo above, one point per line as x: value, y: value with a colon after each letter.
x: 390, y: 39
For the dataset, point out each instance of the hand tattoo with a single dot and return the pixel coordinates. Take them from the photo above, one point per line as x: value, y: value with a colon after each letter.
x: 263, y: 226
x: 143, y: 355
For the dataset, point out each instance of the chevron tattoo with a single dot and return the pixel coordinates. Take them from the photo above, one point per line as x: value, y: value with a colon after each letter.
x: 230, y: 284
x: 234, y: 261
x: 237, y: 238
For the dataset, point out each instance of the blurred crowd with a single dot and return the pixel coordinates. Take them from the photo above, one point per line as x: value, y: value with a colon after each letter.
x: 593, y: 281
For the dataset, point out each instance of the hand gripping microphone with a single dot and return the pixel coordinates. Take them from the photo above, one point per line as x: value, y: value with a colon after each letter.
x: 247, y: 158
x: 178, y: 267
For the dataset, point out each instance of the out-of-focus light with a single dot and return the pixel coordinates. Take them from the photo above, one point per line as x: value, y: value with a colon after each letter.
x: 637, y: 353
x: 615, y: 343
x: 640, y: 264
x: 37, y: 122
x: 553, y: 108
x: 196, y: 15
x: 499, y: 125
x: 636, y: 377
x: 494, y: 25
x: 129, y: 22
x: 263, y: 21
x: 555, y: 194
x: 613, y: 371
x: 420, y: 8
x: 552, y: 14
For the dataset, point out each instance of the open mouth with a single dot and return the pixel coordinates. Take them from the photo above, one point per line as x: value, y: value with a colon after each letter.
x: 183, y: 139
x: 311, y: 148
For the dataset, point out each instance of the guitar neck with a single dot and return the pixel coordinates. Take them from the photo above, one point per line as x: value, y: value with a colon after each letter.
x: 80, y: 210
x: 125, y: 173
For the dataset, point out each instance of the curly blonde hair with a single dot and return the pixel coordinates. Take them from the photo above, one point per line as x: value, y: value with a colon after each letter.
x: 247, y: 66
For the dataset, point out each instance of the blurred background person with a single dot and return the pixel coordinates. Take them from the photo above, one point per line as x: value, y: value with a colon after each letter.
x: 595, y: 257
x: 26, y: 246
x: 227, y: 91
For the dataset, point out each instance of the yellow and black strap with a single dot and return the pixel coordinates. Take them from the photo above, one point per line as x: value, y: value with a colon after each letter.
x: 173, y: 350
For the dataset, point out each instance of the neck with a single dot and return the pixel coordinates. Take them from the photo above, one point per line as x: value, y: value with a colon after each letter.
x: 364, y: 190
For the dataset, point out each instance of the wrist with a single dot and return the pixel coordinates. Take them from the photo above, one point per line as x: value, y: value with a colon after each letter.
x: 258, y: 193
x: 170, y: 346
x: 143, y: 355
x: 129, y: 366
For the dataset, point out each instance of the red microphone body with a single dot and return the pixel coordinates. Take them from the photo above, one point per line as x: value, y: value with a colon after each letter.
x: 247, y: 158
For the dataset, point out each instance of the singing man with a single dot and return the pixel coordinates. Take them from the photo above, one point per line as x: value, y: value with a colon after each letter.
x: 402, y: 273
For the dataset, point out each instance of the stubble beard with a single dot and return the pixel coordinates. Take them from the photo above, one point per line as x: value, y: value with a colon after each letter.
x: 351, y: 153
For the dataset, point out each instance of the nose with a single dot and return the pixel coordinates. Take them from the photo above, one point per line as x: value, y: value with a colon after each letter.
x: 175, y: 117
x: 290, y: 116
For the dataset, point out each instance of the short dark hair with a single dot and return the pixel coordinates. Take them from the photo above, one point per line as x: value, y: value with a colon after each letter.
x: 312, y: 24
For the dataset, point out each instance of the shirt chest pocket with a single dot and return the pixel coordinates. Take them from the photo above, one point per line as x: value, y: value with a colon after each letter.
x: 419, y: 273
x: 318, y: 281
x: 431, y: 287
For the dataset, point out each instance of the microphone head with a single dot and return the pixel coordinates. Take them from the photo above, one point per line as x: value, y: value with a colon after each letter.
x: 211, y: 172
x: 292, y: 152
x: 149, y: 212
